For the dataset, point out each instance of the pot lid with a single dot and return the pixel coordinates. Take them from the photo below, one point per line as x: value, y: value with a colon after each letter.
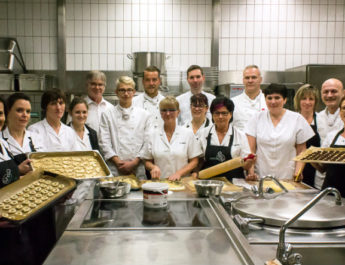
x: 275, y: 212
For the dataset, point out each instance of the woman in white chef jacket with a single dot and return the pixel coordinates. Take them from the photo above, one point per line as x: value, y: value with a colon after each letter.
x: 171, y: 151
x: 277, y: 135
x: 198, y: 109
x: 56, y: 136
x: 19, y: 140
x: 123, y: 129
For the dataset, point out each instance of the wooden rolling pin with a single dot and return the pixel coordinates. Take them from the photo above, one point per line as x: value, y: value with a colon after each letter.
x: 221, y: 168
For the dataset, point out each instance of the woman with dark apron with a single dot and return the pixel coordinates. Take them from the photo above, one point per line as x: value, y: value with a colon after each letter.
x: 222, y: 142
x: 305, y: 102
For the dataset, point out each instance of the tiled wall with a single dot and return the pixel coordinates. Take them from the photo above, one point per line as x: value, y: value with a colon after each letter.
x: 275, y: 34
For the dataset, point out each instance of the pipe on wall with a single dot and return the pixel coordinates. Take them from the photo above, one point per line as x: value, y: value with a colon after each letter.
x: 61, y: 44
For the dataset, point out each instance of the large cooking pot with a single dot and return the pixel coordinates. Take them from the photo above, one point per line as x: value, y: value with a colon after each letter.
x: 141, y: 60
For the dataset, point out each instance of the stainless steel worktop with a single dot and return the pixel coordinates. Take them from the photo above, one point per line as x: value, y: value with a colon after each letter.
x: 213, y: 239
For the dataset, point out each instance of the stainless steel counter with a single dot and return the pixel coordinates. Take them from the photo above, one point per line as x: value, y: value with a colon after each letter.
x: 218, y: 242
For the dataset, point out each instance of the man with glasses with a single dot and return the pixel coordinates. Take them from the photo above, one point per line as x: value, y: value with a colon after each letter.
x: 196, y: 79
x: 123, y: 130
x: 251, y: 100
x: 149, y: 100
x: 95, y: 84
x: 328, y: 120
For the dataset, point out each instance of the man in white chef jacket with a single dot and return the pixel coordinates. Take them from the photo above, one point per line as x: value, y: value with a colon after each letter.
x: 196, y: 80
x: 328, y: 120
x: 123, y: 130
x: 95, y: 85
x: 149, y: 100
x: 252, y: 100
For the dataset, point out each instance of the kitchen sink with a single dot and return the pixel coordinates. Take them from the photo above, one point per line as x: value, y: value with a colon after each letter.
x: 312, y: 254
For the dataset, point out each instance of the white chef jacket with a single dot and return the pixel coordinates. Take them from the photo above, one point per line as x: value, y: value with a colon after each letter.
x: 83, y: 144
x: 330, y: 137
x: 151, y: 105
x: 124, y: 138
x: 16, y: 149
x: 65, y: 140
x: 95, y: 112
x: 184, y: 102
x: 240, y: 146
x: 275, y: 146
x: 3, y: 153
x: 189, y: 126
x: 245, y: 108
x: 174, y: 155
x: 326, y: 123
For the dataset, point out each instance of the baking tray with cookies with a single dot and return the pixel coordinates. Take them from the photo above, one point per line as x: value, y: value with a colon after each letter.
x: 79, y: 165
x: 322, y: 155
x: 26, y: 197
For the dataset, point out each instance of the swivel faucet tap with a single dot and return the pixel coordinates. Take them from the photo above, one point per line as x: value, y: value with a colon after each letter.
x: 284, y: 249
x: 261, y: 184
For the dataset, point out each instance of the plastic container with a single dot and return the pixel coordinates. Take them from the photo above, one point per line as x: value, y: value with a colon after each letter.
x: 155, y: 194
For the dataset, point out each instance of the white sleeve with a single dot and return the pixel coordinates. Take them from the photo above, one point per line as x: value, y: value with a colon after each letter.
x: 37, y: 141
x: 105, y: 142
x: 243, y: 141
x: 304, y: 130
x: 251, y: 126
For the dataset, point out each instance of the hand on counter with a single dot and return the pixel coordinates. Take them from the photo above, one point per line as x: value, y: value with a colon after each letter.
x: 175, y: 176
x: 155, y: 172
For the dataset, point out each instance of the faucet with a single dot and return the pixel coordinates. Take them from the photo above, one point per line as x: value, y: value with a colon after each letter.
x: 284, y: 249
x: 261, y: 184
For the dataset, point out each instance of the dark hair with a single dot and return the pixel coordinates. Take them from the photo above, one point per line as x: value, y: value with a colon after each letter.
x: 152, y: 68
x: 199, y: 98
x: 221, y: 101
x: 76, y: 101
x: 13, y: 98
x: 276, y: 89
x: 194, y: 67
x: 2, y: 100
x: 51, y: 96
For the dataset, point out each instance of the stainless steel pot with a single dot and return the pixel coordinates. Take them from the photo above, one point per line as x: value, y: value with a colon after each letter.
x: 140, y: 60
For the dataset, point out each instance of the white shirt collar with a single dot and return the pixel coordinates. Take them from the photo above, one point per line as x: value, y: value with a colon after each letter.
x: 154, y: 100
x: 90, y: 101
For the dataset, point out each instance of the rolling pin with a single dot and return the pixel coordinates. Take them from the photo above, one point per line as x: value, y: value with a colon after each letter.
x: 221, y: 168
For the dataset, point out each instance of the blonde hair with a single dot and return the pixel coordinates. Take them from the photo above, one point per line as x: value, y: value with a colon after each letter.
x: 303, y: 91
x: 169, y: 102
x: 125, y: 80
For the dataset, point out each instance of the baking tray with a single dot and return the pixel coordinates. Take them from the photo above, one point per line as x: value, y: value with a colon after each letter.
x: 322, y: 155
x: 80, y: 165
x: 26, y: 197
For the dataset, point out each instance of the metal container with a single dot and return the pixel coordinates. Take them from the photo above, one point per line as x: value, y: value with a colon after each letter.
x: 6, y: 82
x: 112, y: 190
x: 31, y: 82
x: 206, y: 188
x: 141, y: 60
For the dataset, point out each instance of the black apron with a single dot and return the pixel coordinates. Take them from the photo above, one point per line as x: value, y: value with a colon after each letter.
x: 9, y: 171
x: 335, y: 173
x: 309, y: 170
x: 216, y: 154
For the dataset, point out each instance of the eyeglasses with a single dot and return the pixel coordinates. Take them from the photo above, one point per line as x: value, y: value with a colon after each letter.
x: 123, y: 91
x: 223, y: 113
x: 198, y: 105
x: 168, y: 110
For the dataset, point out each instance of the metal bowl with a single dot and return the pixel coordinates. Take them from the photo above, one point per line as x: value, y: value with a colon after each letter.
x: 112, y: 190
x: 206, y: 188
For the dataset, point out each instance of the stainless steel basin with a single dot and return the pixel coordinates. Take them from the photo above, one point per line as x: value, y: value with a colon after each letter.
x: 312, y: 254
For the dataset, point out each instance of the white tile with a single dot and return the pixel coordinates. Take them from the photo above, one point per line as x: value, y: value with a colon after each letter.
x: 152, y: 26
x: 315, y: 13
x: 86, y: 25
x: 144, y: 45
x: 29, y: 60
x: 265, y: 46
x: 330, y: 29
x: 168, y: 45
x: 118, y: 45
x: 53, y: 45
x: 78, y: 11
x: 168, y: 11
x: 69, y: 62
x: 338, y: 43
x: 184, y: 62
x: 20, y: 10
x: 331, y: 12
x: 37, y: 44
x: 306, y: 29
x: 176, y: 46
x: 224, y: 63
x: 103, y: 62
x: 135, y: 29
x: 250, y: 12
x: 306, y: 47
x: 258, y: 13
x: 223, y: 47
x: 86, y: 11
x: 36, y: 28
x: 208, y: 12
x: 192, y: 10
x: 338, y: 59
x: 202, y: 60
x: 127, y: 12
x: 119, y: 11
x: 322, y: 45
x: 160, y: 29
x: 3, y: 27
x: 266, y: 13
x: 281, y: 46
x: 103, y: 28
x: 305, y: 59
x: 306, y: 12
x: 127, y: 47
x: 70, y: 45
x: 94, y: 28
x: 78, y: 45
x: 94, y: 61
x: 160, y: 13
x: 3, y: 10
x: 119, y: 29
x: 94, y: 45
x: 168, y: 29
x: 339, y: 26
x: 86, y: 45
x: 249, y: 45
x: 330, y: 46
x: 290, y: 12
x: 126, y: 65
x: 265, y: 29
x: 290, y: 29
x: 289, y: 61
x: 299, y: 14
x: 233, y: 16
x: 321, y: 59
x: 144, y: 29
x: 192, y: 46
x: 111, y: 29
x: 52, y: 28
x: 225, y: 12
x: 152, y: 12
x: 273, y: 63
x: 273, y: 46
x: 36, y: 11
x: 102, y: 11
x: 256, y: 46
x: 28, y: 45
x: 201, y: 14
x: 28, y: 27
x: 298, y: 29
x: 111, y: 11
x: 232, y: 62
x: 45, y: 61
x: 69, y: 11
x: 313, y: 59
x: 208, y: 30
x: 86, y: 61
x: 160, y: 45
x: 233, y: 46
x: 297, y: 46
x: 315, y: 26
x: 274, y: 13
x: 297, y: 60
x: 20, y: 30
x: 184, y: 12
x: 241, y: 30
x: 135, y: 11
x: 339, y: 15
x: 45, y: 44
x: 78, y: 28
x: 111, y: 62
x: 240, y: 62
x: 207, y: 43
x: 127, y: 29
x: 241, y: 45
x: 78, y: 62
x: 224, y: 29
x: 135, y: 44
x: 184, y: 45
x: 233, y: 30
x: 274, y: 30
x: 289, y: 46
x: 242, y: 12
x: 192, y: 29
x: 200, y: 46
x: 37, y: 62
x: 28, y: 11
x: 184, y: 29
x: 256, y: 60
